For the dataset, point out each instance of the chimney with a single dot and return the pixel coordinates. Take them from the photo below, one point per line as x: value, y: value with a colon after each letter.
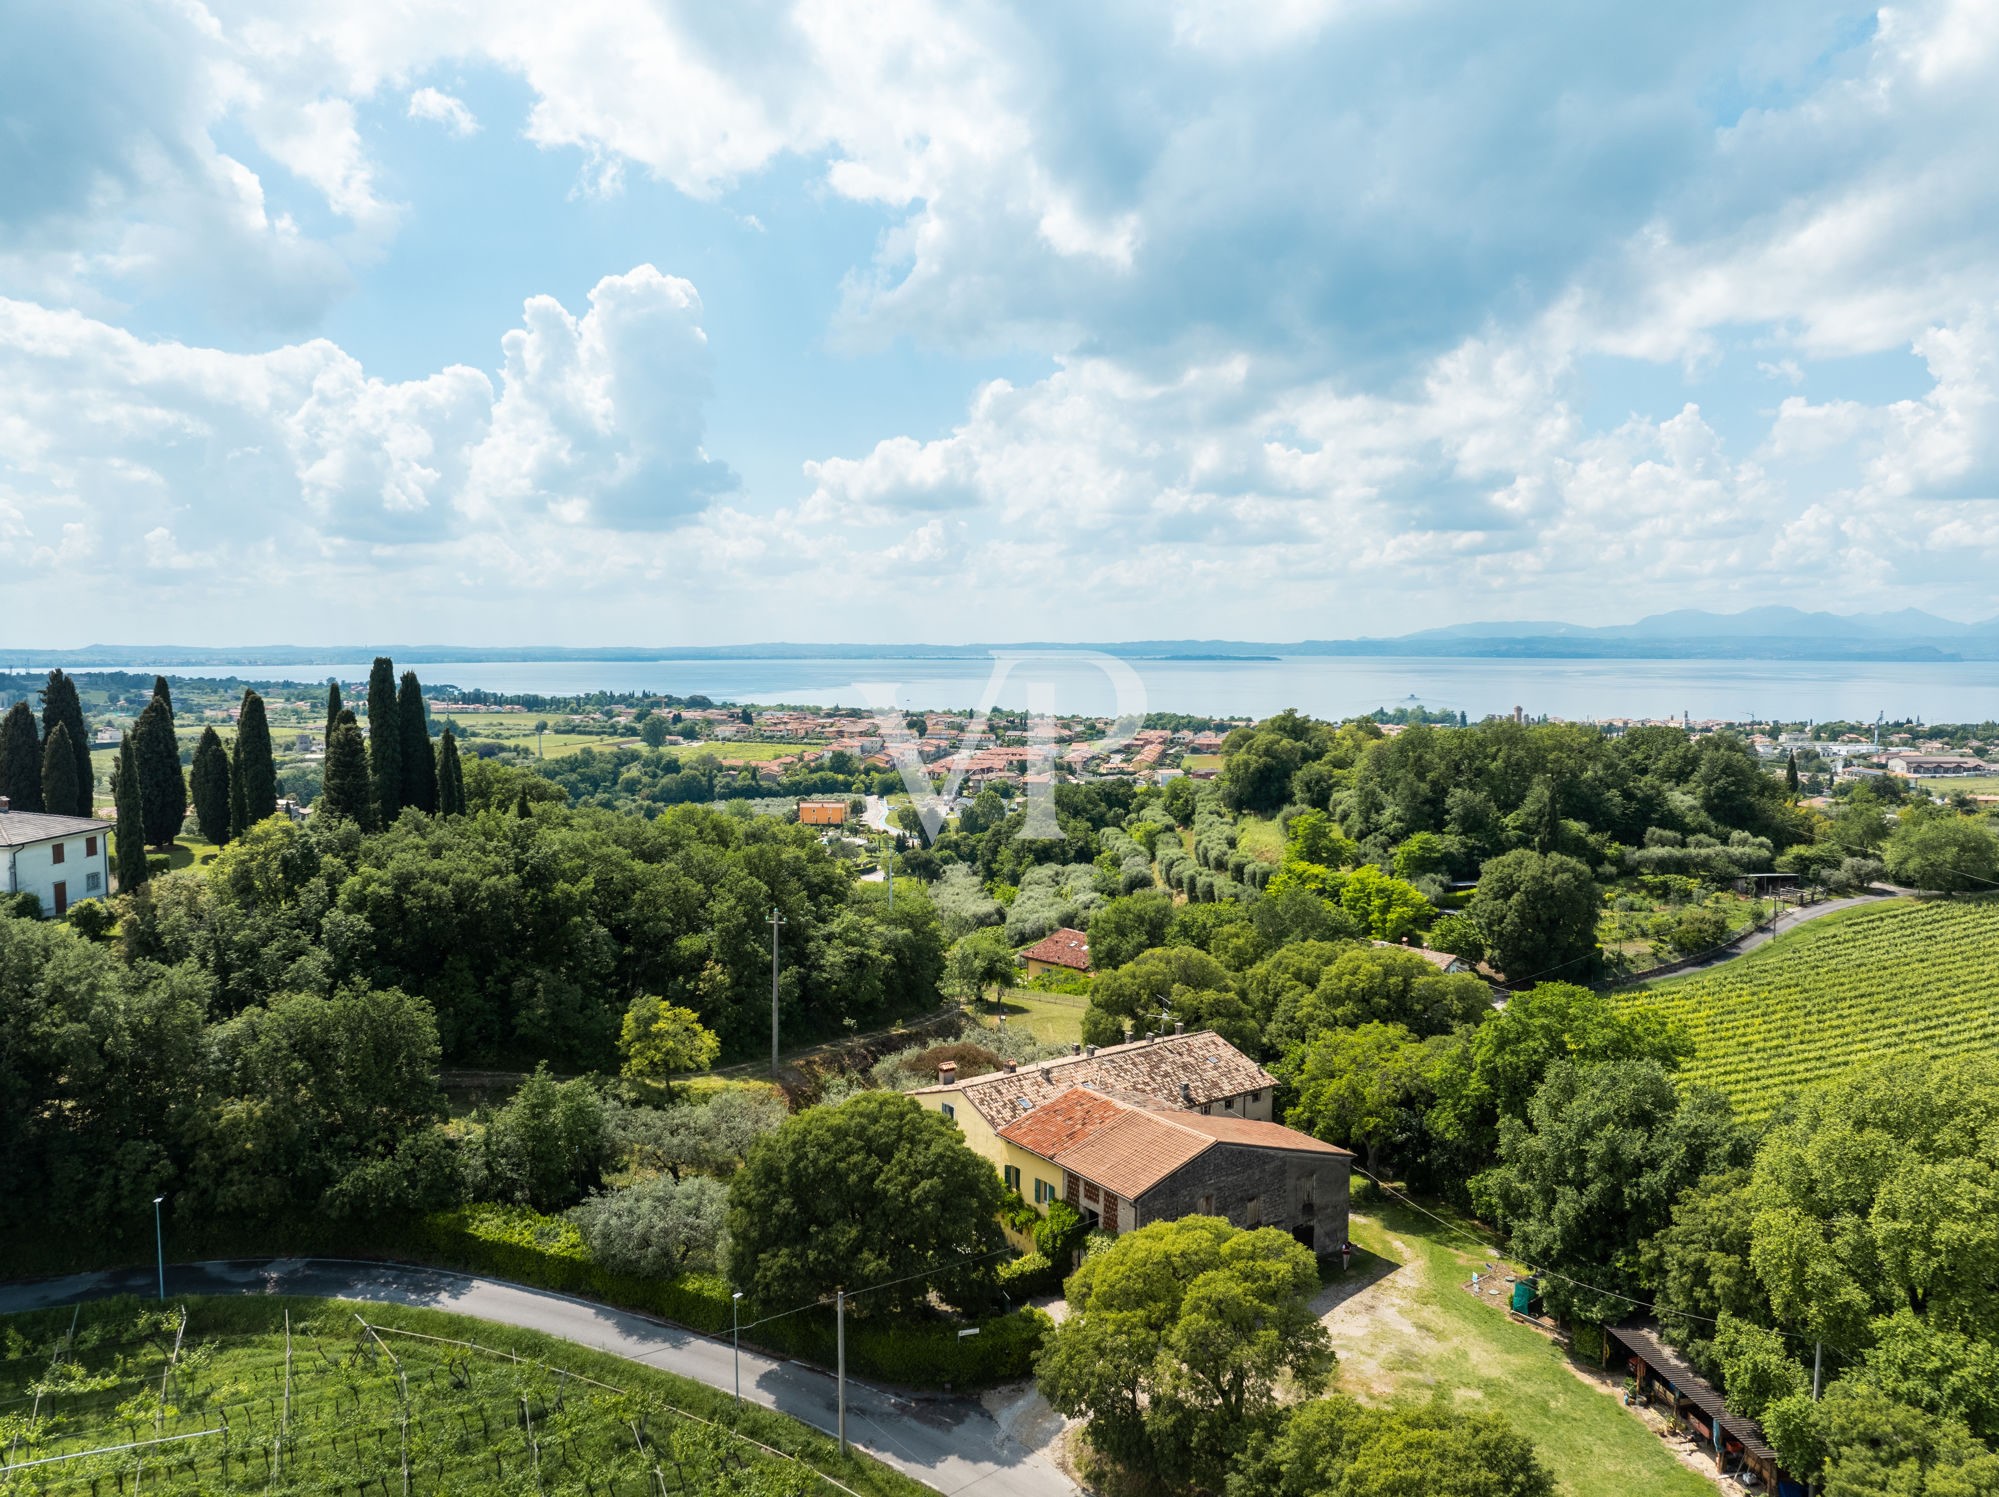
x: 947, y: 1073
x: 1089, y: 1050
x: 1012, y: 1066
x: 1127, y: 1034
x: 1150, y: 1037
x: 3, y: 803
x: 1074, y: 1048
x: 1178, y: 1027
x: 1186, y: 1095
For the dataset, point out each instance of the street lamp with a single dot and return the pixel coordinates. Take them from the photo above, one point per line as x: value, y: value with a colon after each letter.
x: 159, y: 1239
x: 736, y: 1335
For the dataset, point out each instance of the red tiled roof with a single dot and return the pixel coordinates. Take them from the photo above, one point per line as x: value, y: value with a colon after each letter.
x: 1208, y: 1066
x: 1129, y: 1149
x: 1062, y: 948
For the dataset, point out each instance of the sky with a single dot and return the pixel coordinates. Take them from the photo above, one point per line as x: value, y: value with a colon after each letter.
x: 637, y: 322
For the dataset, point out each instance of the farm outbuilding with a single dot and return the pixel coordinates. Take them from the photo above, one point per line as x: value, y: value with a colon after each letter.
x: 1736, y: 1444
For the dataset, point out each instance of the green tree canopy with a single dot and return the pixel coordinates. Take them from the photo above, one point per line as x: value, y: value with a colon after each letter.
x: 256, y: 767
x: 133, y: 870
x: 980, y: 960
x: 1942, y: 851
x: 61, y: 705
x: 1165, y: 985
x: 419, y: 762
x: 162, y: 787
x: 1593, y: 1171
x: 325, y: 1104
x: 21, y: 759
x: 1877, y: 1194
x: 1121, y: 929
x: 1386, y: 908
x: 1538, y: 914
x: 385, y: 740
x: 345, y: 788
x: 545, y: 1147
x: 872, y: 1191
x: 1377, y: 984
x: 59, y: 773
x: 1335, y: 1447
x: 1178, y: 1337
x: 209, y: 787
x: 1363, y: 1088
x: 659, y: 1040
x: 450, y: 777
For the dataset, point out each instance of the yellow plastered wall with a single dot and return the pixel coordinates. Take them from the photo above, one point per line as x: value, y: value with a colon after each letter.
x: 982, y: 1140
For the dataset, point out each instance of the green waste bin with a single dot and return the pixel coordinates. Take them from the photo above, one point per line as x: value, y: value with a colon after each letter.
x: 1523, y: 1296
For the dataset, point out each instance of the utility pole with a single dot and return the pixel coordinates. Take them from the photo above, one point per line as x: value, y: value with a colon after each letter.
x: 736, y: 1336
x: 840, y: 1347
x: 160, y: 1240
x: 776, y: 919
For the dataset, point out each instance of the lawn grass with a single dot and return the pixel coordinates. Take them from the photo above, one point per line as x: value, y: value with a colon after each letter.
x: 342, y: 1404
x: 1260, y: 837
x: 1053, y: 1018
x: 1415, y: 1335
x: 1193, y: 762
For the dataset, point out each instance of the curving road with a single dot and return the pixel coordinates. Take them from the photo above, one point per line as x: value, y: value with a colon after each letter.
x: 949, y: 1443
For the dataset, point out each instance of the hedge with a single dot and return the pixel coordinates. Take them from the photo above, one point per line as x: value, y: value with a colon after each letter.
x: 517, y: 1243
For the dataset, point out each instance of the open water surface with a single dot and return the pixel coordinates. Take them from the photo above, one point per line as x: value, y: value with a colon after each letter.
x: 1329, y: 687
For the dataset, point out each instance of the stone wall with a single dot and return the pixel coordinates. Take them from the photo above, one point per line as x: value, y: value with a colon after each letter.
x: 1223, y: 1180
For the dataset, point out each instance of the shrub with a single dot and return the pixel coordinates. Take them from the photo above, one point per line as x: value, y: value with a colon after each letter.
x: 516, y: 1243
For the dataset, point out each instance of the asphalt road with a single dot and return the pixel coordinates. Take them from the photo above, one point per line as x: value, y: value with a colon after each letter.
x: 949, y: 1443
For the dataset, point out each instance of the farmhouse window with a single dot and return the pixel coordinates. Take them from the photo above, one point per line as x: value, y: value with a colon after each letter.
x: 56, y: 852
x: 1089, y: 1190
x: 950, y: 1112
x: 92, y: 882
x: 90, y: 847
x: 1252, y: 1212
x: 1012, y: 1173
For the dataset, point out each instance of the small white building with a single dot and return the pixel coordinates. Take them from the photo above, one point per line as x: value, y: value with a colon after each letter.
x: 58, y: 859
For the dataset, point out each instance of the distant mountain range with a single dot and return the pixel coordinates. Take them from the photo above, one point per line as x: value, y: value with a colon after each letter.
x: 1769, y: 633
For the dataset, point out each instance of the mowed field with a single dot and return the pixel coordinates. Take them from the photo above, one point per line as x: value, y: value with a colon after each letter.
x: 1905, y: 977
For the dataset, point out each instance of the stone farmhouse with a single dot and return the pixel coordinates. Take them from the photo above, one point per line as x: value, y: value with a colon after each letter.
x: 1171, y: 1126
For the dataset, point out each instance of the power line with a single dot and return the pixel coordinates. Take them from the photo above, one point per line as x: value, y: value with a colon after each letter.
x: 1548, y: 1273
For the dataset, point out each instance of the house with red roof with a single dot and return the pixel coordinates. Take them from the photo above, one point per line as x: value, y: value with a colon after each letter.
x: 1125, y: 1160
x: 1063, y: 950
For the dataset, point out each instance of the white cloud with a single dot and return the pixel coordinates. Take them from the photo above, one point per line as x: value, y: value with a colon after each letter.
x: 183, y: 455
x: 442, y: 108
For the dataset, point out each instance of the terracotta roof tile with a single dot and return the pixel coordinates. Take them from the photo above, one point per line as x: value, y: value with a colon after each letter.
x: 1205, y: 1063
x: 1128, y: 1149
x: 1061, y: 948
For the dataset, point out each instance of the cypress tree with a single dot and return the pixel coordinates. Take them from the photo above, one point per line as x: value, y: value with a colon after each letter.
x: 239, y: 808
x: 419, y: 763
x: 21, y: 759
x: 254, y: 764
x: 385, y: 739
x: 131, y: 844
x: 162, y: 790
x: 61, y: 704
x: 59, y: 771
x: 345, y: 789
x: 161, y: 693
x: 209, y: 783
x: 450, y: 777
x: 333, y: 710
x: 1791, y: 773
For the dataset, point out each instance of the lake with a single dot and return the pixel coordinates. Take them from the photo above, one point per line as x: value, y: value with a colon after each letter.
x: 1330, y: 687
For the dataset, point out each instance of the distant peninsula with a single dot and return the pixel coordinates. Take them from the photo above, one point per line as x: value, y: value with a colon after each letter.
x: 1767, y: 633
